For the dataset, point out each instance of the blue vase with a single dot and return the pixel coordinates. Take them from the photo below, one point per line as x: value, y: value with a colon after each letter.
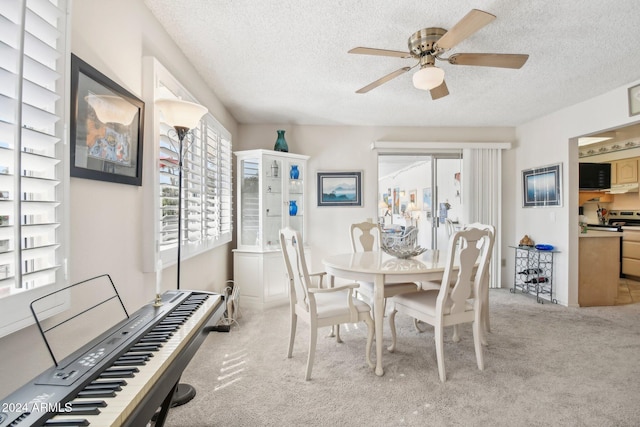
x: 293, y: 208
x: 281, y: 143
x: 295, y: 173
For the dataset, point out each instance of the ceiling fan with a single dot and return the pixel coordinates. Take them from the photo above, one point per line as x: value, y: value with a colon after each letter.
x: 430, y: 44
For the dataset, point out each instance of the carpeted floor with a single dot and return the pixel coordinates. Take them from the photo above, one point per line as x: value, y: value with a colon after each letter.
x: 546, y: 365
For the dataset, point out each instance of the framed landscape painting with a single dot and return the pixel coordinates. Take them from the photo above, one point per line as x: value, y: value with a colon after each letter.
x: 339, y: 188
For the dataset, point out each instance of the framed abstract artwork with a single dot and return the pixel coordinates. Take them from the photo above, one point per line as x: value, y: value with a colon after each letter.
x: 542, y: 186
x: 106, y: 127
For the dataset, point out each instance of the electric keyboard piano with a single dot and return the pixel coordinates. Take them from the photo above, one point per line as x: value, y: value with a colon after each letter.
x: 123, y: 376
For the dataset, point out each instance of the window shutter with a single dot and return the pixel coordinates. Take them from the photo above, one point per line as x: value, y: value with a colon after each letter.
x: 33, y: 57
x: 206, y: 180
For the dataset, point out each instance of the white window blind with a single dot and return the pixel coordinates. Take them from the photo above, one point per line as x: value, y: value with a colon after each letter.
x: 33, y: 64
x: 206, y: 179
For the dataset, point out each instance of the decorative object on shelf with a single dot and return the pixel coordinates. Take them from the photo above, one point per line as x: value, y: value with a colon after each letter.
x: 542, y: 247
x: 106, y: 129
x: 281, y: 143
x: 293, y: 208
x: 541, y: 186
x: 403, y: 252
x: 526, y: 241
x: 274, y: 169
x: 183, y: 116
x: 339, y: 188
x: 294, y: 173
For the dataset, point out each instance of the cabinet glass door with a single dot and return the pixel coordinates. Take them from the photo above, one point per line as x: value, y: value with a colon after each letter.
x: 273, y: 170
x: 249, y: 202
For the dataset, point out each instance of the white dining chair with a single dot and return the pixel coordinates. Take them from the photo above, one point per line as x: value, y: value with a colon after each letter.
x: 486, y: 325
x: 484, y: 291
x: 457, y: 301
x: 318, y: 306
x: 366, y: 237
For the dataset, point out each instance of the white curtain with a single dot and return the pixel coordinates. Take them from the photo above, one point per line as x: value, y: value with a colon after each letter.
x: 482, y: 197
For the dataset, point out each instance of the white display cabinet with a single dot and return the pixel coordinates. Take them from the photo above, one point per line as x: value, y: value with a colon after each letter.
x: 270, y: 196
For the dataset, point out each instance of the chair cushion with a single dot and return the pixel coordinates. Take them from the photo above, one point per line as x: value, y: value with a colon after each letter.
x: 425, y: 302
x: 336, y: 304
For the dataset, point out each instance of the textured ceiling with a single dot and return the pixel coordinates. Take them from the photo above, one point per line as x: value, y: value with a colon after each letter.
x: 286, y: 61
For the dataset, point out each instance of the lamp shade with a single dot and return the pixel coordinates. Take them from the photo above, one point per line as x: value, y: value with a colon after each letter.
x: 181, y: 113
x: 112, y: 109
x: 428, y: 77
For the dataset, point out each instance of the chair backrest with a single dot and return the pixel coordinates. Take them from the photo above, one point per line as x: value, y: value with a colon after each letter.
x: 449, y: 227
x: 468, y: 248
x: 410, y: 236
x: 365, y: 236
x: 296, y: 267
x: 492, y: 234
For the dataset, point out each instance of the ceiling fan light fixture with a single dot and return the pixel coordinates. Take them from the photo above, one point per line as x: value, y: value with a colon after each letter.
x: 428, y: 77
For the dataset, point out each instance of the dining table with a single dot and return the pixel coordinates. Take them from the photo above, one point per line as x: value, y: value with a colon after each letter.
x: 381, y: 269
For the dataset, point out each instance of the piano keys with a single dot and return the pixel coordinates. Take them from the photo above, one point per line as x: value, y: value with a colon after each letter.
x: 122, y: 377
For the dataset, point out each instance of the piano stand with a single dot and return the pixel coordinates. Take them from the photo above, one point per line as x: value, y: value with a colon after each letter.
x: 160, y: 417
x: 183, y: 394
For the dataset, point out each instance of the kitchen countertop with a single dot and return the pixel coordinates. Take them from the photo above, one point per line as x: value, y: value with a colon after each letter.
x: 595, y: 233
x: 631, y: 227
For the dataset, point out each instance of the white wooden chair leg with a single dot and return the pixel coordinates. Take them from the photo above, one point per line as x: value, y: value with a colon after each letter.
x: 456, y: 334
x: 416, y: 324
x: 370, y: 330
x: 337, y: 330
x: 292, y: 333
x: 439, y: 339
x: 312, y: 351
x: 485, y: 312
x: 478, y: 345
x: 392, y: 326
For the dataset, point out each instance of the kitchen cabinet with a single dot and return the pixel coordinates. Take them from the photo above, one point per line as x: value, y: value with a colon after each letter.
x: 270, y: 196
x: 624, y: 171
x: 631, y: 252
x: 594, y: 196
x: 598, y: 268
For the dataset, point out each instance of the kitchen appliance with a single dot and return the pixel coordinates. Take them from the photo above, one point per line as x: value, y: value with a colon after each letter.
x: 624, y: 218
x: 594, y: 176
x: 617, y: 222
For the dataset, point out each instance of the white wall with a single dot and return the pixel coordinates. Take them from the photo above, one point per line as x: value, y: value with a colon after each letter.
x: 106, y: 218
x: 546, y: 141
x: 345, y: 148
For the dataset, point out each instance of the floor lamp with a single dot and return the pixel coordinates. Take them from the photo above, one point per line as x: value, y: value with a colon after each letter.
x: 183, y: 116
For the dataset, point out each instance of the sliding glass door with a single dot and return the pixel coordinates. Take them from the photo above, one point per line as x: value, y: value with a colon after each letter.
x: 422, y: 191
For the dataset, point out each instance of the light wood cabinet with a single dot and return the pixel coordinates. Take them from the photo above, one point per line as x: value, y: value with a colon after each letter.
x: 624, y: 171
x: 631, y: 253
x: 598, y: 268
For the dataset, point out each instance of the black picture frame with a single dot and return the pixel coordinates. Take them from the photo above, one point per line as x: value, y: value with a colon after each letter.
x: 340, y: 188
x: 109, y: 151
x: 542, y: 186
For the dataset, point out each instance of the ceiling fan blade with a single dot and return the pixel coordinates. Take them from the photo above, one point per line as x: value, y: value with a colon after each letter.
x: 379, y: 52
x: 468, y: 25
x: 501, y: 60
x: 440, y: 91
x: 383, y: 80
